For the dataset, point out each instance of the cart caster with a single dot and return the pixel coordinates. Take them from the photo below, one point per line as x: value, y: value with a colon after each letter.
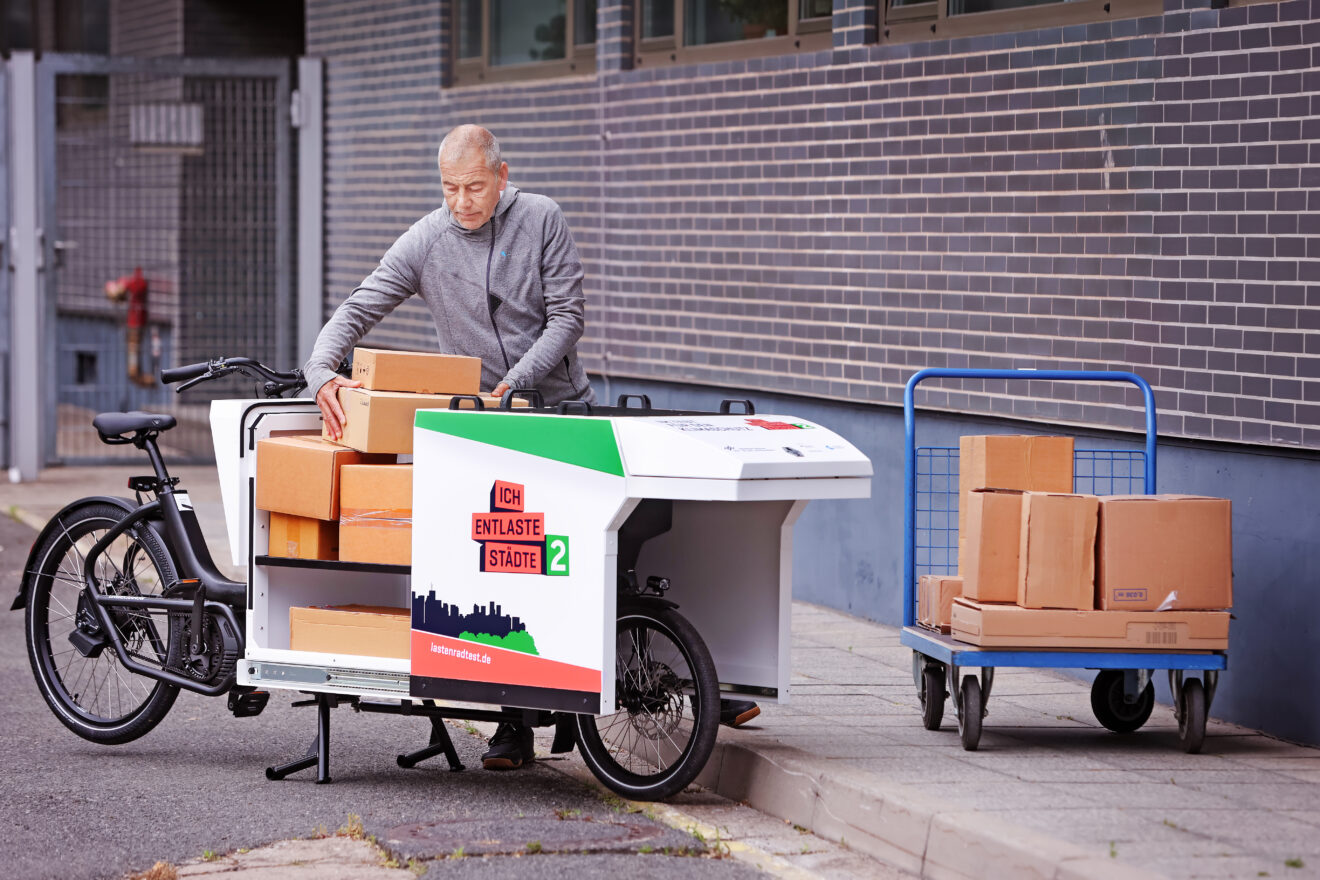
x: 970, y: 710
x: 932, y: 696
x: 1110, y: 702
x: 1191, y: 716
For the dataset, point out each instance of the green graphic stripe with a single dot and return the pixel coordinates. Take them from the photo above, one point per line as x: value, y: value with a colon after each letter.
x: 587, y: 443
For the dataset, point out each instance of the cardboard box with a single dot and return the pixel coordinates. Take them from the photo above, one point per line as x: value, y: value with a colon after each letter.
x: 1158, y: 552
x: 375, y: 513
x: 416, y: 371
x: 299, y: 475
x: 994, y: 523
x: 1010, y: 461
x: 1056, y: 555
x: 935, y: 595
x: 301, y: 537
x: 382, y: 421
x: 1009, y: 626
x: 368, y: 630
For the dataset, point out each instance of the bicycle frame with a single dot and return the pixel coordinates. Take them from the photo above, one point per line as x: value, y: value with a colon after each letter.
x: 192, y: 559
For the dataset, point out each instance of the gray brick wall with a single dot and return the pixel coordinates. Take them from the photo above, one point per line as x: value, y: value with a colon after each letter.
x: 1140, y: 194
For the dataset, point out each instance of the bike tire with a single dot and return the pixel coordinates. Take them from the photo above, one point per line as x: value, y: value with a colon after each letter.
x: 666, y: 689
x: 97, y: 697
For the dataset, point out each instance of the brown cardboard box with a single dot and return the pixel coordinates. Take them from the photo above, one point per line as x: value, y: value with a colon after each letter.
x: 382, y: 421
x: 416, y: 371
x: 1056, y: 555
x: 935, y: 595
x: 1009, y: 626
x: 352, y: 629
x: 301, y: 537
x: 994, y: 523
x: 299, y: 475
x: 375, y: 513
x: 1010, y: 461
x: 1165, y: 552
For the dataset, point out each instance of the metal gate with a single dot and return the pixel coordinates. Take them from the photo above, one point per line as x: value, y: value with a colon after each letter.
x: 167, y: 193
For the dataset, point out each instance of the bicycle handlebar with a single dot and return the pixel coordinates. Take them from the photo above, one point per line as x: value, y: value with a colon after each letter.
x: 180, y: 374
x: 274, y: 382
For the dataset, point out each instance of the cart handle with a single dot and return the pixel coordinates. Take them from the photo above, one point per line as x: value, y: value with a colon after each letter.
x: 910, y: 436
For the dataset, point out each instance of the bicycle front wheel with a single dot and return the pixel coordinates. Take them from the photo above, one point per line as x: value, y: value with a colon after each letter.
x: 667, y: 708
x: 78, y: 671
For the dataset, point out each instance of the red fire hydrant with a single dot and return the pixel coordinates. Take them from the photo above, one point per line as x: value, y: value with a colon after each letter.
x: 133, y: 288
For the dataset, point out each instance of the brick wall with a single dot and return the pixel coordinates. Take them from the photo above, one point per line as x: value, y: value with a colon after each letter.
x: 1139, y: 194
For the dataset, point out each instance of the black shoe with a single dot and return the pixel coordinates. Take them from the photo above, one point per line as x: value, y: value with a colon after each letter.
x: 510, y: 747
x: 736, y: 713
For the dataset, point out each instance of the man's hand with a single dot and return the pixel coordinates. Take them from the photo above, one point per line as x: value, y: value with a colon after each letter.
x: 327, y: 398
x: 500, y: 390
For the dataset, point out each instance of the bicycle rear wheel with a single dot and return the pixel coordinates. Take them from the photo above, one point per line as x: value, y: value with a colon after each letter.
x: 668, y: 707
x: 77, y: 670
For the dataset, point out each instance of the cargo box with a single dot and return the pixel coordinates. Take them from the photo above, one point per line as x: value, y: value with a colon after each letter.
x: 301, y: 537
x: 416, y: 371
x: 1010, y: 461
x: 375, y: 514
x: 367, y: 630
x: 299, y: 475
x: 994, y: 523
x: 382, y: 421
x: 935, y: 600
x: 1056, y: 555
x: 1010, y: 626
x: 1158, y: 552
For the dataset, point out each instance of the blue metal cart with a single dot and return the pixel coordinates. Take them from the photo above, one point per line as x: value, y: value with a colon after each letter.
x: 1123, y: 694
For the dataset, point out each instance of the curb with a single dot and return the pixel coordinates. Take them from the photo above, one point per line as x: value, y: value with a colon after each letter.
x: 896, y: 823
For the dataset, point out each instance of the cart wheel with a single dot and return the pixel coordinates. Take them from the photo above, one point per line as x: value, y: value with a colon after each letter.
x: 970, y: 712
x: 1111, y: 706
x: 1191, y: 720
x: 932, y: 696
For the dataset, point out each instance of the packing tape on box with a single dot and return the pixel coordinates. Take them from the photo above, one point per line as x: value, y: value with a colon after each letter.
x: 398, y: 517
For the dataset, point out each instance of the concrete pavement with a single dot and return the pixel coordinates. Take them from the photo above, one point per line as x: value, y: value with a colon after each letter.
x: 1050, y: 793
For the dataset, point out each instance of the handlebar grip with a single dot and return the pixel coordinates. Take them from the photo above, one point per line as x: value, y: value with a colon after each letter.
x: 180, y: 374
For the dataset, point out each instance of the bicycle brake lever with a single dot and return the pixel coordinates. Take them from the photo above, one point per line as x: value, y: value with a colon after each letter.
x: 184, y: 386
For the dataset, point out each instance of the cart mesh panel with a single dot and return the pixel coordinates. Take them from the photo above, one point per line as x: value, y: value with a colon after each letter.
x: 935, y: 531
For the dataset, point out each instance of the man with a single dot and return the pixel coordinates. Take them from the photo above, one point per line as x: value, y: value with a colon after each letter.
x: 498, y: 270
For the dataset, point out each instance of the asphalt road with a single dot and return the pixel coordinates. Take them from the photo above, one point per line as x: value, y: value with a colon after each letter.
x: 72, y: 809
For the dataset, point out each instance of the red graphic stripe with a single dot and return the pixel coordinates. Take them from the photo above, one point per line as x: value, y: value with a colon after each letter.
x: 447, y: 657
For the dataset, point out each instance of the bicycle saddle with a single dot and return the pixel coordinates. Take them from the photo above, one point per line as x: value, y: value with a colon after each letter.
x: 117, y: 424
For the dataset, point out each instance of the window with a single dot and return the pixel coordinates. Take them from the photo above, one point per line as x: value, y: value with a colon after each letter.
x: 697, y: 30
x: 520, y: 39
x: 908, y: 20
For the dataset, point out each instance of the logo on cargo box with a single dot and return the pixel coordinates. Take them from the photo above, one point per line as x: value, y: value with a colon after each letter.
x: 1134, y: 594
x: 513, y: 540
x: 776, y: 426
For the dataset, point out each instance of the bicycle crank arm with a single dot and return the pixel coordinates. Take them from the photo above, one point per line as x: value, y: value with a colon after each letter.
x: 104, y: 602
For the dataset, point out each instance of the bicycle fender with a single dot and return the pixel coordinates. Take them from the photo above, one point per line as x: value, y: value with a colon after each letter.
x: 641, y: 603
x: 125, y: 504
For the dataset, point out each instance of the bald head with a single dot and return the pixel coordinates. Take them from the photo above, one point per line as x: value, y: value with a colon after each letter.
x: 472, y: 174
x: 466, y: 140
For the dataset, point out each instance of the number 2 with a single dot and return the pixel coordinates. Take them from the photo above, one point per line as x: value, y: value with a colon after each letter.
x: 557, y: 550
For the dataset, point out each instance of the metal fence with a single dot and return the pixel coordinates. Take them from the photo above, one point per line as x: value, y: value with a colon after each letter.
x: 171, y: 195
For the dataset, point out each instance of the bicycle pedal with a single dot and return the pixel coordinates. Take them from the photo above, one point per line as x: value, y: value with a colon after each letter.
x: 249, y: 704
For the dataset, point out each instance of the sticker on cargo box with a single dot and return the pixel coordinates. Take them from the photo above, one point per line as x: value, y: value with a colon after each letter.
x: 1131, y: 594
x: 513, y: 540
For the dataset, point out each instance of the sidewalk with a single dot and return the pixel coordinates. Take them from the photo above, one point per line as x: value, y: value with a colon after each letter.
x: 1050, y: 793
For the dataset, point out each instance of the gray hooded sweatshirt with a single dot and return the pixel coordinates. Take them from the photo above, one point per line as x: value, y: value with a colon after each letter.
x: 508, y: 292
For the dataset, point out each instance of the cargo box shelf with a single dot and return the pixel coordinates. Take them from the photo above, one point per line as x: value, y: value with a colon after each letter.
x: 332, y: 565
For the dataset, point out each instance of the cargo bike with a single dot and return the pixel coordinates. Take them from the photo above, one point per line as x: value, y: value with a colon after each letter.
x: 641, y: 557
x: 1123, y: 693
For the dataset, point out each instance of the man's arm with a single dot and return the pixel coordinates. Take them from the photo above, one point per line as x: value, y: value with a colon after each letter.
x: 392, y: 282
x: 565, y: 306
